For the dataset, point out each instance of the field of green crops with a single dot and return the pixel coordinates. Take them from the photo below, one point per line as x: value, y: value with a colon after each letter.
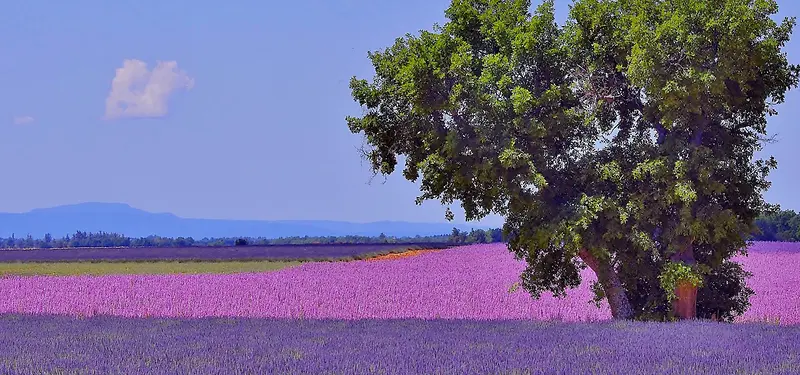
x: 139, y: 268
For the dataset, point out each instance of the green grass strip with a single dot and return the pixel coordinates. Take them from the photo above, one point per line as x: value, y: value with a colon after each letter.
x: 138, y: 268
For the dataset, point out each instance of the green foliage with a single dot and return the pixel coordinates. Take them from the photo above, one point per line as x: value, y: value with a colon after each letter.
x: 778, y: 226
x: 598, y: 294
x: 240, y: 242
x: 457, y: 236
x: 478, y: 236
x: 677, y: 273
x: 628, y: 132
x: 724, y: 294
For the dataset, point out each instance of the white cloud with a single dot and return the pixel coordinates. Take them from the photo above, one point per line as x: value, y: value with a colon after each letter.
x: 139, y: 92
x: 21, y: 120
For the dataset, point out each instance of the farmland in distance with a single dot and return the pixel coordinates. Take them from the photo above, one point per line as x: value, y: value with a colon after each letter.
x: 283, y: 253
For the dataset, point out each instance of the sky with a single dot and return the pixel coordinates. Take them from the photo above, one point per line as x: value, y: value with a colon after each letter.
x: 228, y: 112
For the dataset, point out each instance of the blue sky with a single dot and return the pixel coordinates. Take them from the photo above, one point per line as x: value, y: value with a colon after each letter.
x: 247, y: 121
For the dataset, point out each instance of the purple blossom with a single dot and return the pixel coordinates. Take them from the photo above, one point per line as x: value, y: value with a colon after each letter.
x: 470, y: 282
x: 113, y: 345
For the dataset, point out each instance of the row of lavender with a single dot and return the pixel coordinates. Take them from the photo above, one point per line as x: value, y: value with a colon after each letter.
x: 269, y: 252
x: 112, y: 345
x: 470, y: 282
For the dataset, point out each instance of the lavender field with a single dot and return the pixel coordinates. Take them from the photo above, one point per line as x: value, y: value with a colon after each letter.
x: 447, y: 311
x: 108, y: 345
x: 470, y: 282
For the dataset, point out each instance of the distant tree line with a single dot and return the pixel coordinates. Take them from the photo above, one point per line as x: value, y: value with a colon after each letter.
x: 782, y: 225
x: 104, y: 239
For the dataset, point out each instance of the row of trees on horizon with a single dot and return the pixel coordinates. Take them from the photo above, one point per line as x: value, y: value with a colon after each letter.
x: 783, y: 225
x: 104, y: 239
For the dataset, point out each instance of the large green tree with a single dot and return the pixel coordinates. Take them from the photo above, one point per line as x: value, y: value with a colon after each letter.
x: 622, y: 140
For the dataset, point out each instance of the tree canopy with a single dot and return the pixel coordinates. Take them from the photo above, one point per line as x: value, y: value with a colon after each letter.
x: 622, y: 140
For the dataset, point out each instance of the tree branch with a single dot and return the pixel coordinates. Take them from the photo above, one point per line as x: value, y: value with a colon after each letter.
x: 662, y: 132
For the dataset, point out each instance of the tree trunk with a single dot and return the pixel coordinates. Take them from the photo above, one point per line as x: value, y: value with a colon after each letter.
x: 685, y: 305
x: 612, y: 286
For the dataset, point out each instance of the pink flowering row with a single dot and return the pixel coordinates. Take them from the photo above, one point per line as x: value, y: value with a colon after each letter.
x: 776, y: 277
x: 470, y: 282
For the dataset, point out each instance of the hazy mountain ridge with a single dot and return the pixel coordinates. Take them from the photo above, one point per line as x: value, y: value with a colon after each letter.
x: 124, y: 219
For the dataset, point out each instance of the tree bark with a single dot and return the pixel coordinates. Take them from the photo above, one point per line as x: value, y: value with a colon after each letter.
x: 612, y: 286
x: 685, y: 305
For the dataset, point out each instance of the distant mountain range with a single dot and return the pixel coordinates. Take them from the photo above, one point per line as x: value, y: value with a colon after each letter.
x: 124, y: 219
